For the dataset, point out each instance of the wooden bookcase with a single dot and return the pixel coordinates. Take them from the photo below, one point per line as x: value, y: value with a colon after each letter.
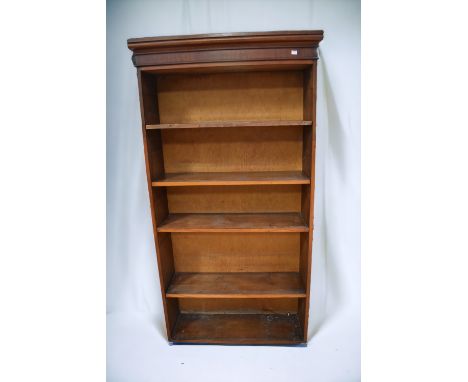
x: 229, y: 140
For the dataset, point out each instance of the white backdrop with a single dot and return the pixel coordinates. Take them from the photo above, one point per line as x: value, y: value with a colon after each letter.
x: 137, y: 349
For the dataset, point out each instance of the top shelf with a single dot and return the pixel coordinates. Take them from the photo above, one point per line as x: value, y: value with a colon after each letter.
x: 217, y: 124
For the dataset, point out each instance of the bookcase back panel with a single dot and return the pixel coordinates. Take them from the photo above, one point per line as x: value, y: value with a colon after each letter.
x: 236, y: 252
x: 233, y: 149
x: 238, y: 306
x: 185, y: 98
x: 225, y: 199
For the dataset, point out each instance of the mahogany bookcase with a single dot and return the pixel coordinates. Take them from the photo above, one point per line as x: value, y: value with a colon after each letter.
x: 229, y: 140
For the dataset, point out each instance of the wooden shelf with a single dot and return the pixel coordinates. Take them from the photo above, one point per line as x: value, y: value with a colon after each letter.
x: 231, y: 178
x: 236, y: 285
x: 238, y: 328
x: 222, y: 124
x: 242, y: 222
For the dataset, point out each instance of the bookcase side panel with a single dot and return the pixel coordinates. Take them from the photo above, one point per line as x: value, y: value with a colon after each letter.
x: 305, y: 263
x: 154, y: 162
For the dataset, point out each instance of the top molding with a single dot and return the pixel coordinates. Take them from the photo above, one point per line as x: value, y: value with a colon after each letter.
x: 293, y: 46
x: 312, y: 36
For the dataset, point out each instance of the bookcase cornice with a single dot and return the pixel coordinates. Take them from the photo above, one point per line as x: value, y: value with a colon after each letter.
x: 225, y: 47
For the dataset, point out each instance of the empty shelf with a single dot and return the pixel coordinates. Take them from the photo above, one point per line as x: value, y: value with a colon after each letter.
x: 236, y: 285
x: 238, y: 328
x: 242, y: 222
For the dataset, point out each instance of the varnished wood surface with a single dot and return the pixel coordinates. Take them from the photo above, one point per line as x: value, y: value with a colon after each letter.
x: 230, y: 97
x: 233, y: 66
x: 158, y: 201
x: 237, y: 47
x: 235, y: 199
x: 232, y: 149
x: 222, y: 124
x: 238, y: 329
x: 238, y: 305
x: 231, y: 178
x: 229, y: 138
x: 311, y: 34
x: 309, y: 141
x: 269, y: 222
x: 226, y: 55
x: 236, y: 285
x: 236, y: 252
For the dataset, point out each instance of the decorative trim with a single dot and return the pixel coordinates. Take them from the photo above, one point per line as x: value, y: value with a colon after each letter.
x: 225, y: 47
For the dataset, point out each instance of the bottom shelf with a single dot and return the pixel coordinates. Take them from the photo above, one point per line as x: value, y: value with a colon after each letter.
x: 238, y: 329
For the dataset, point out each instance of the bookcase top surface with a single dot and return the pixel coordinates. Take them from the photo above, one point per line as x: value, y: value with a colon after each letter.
x: 312, y: 36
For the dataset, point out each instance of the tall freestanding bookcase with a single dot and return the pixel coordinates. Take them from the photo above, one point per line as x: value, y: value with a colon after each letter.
x: 229, y: 140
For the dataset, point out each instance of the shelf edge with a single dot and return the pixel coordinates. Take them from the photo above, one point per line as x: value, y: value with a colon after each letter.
x: 224, y: 124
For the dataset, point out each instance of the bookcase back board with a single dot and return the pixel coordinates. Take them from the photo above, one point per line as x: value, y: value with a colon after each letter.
x: 228, y: 125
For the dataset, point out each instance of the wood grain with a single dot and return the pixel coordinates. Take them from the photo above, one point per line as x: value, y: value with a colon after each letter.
x: 308, y: 192
x: 191, y: 98
x: 223, y: 124
x: 236, y: 285
x: 236, y: 252
x: 282, y: 222
x: 231, y: 178
x: 232, y: 66
x: 238, y: 305
x: 233, y: 149
x: 225, y: 55
x: 229, y: 137
x: 221, y: 48
x: 154, y: 163
x: 213, y: 38
x: 238, y: 328
x: 234, y: 199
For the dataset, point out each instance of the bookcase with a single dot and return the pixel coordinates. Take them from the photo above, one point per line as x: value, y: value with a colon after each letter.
x: 229, y: 142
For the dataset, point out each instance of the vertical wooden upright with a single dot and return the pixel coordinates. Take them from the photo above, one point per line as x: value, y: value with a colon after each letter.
x: 228, y: 124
